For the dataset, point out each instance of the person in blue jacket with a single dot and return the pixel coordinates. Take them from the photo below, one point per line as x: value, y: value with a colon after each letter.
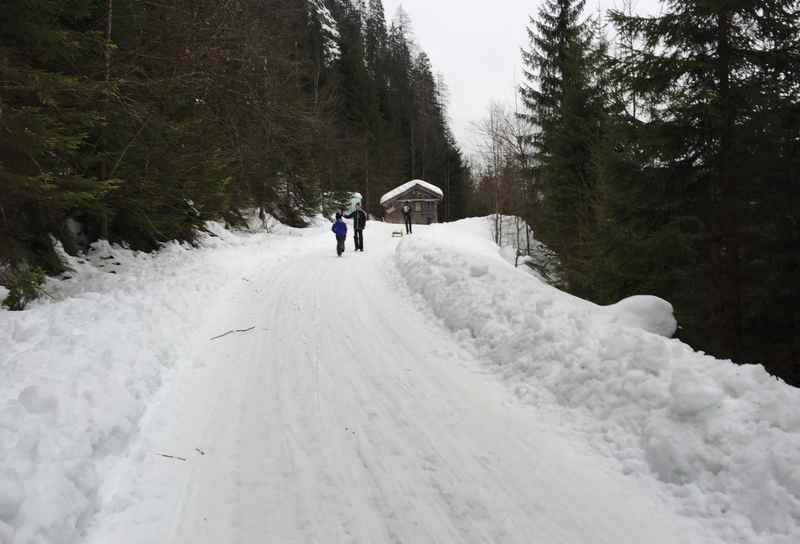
x: 339, y: 228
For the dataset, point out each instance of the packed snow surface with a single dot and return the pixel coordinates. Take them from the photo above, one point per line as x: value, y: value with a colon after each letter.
x: 408, y: 185
x: 260, y: 389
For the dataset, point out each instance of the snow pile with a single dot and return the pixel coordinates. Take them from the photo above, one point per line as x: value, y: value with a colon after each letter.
x: 408, y: 185
x: 76, y: 374
x: 355, y: 198
x: 646, y: 312
x: 725, y: 438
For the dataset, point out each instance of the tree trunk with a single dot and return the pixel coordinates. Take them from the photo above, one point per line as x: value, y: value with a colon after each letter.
x: 104, y: 167
x: 725, y: 273
x: 109, y: 21
x: 365, y: 197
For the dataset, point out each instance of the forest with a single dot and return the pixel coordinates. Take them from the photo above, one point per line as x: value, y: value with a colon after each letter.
x: 661, y: 155
x: 652, y: 154
x: 137, y: 122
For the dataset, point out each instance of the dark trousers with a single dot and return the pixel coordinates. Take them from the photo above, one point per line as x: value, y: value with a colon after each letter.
x: 408, y: 224
x: 340, y: 245
x: 358, y: 237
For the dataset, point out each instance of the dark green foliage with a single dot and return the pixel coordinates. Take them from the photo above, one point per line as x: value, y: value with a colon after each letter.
x: 143, y: 120
x: 672, y: 169
x: 566, y: 110
x: 49, y: 118
x: 648, y: 227
x: 24, y: 284
x: 717, y: 143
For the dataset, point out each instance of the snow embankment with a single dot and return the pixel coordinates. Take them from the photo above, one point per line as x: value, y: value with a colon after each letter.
x: 77, y: 373
x: 725, y: 438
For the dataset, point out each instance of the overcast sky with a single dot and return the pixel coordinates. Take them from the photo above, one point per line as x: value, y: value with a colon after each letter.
x: 476, y: 45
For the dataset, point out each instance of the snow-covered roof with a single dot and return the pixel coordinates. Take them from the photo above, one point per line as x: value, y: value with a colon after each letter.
x: 406, y: 186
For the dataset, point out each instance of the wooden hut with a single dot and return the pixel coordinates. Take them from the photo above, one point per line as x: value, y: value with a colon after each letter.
x: 423, y: 197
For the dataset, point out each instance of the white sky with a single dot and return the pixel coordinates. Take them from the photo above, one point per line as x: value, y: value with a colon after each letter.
x: 476, y: 45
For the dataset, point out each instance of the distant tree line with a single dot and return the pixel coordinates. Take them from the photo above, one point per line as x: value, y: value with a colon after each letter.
x: 668, y: 164
x: 137, y: 121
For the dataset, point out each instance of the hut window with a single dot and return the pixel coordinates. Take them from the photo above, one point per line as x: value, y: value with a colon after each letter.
x: 418, y: 206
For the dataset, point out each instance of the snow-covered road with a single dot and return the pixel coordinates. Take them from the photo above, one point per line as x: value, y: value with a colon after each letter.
x: 350, y: 414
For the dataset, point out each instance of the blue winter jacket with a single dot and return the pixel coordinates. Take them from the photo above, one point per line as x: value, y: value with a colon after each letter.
x: 340, y: 228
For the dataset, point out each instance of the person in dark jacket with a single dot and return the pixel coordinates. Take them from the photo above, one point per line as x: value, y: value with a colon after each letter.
x: 407, y: 216
x: 359, y: 218
x: 339, y: 228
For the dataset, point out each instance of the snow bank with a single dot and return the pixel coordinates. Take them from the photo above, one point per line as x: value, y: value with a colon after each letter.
x: 76, y: 374
x: 408, y: 185
x: 723, y: 437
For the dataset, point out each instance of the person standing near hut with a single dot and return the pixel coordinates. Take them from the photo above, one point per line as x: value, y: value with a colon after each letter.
x: 359, y: 218
x: 339, y: 228
x: 407, y: 216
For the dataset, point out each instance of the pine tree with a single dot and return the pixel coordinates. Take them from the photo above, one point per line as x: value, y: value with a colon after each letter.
x: 566, y: 115
x: 50, y: 115
x: 399, y: 96
x: 380, y: 170
x: 375, y: 37
x: 720, y: 79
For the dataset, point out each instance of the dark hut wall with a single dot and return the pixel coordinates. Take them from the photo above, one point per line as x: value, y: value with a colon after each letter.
x: 425, y: 214
x: 424, y: 207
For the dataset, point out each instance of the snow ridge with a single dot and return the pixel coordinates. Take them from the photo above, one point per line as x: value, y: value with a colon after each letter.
x: 724, y: 438
x: 78, y: 374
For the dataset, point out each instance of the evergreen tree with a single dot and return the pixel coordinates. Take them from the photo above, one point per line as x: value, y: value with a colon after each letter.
x: 566, y: 113
x: 715, y: 146
x: 51, y: 97
x: 139, y: 121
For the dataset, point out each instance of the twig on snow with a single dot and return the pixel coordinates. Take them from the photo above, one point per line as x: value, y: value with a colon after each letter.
x: 232, y: 331
x: 173, y: 457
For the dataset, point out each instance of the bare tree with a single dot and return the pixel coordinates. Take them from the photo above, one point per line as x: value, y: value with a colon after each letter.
x: 505, y: 153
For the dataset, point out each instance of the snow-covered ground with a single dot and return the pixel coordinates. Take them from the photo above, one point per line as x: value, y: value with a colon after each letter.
x: 724, y: 438
x: 77, y: 375
x: 423, y: 391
